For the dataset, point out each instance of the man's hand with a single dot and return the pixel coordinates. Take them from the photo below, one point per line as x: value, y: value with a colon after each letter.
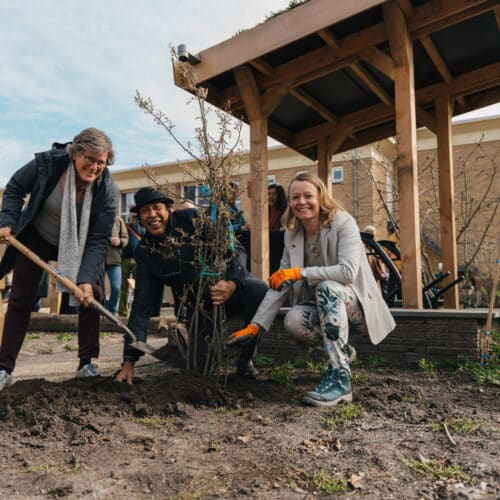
x: 222, y: 291
x: 5, y: 234
x: 86, y: 296
x: 126, y: 374
x: 244, y: 336
x: 282, y: 276
x: 115, y: 242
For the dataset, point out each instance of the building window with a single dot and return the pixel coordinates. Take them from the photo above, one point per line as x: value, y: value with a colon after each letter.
x: 337, y: 175
x: 198, y: 194
x: 271, y: 179
x: 127, y: 201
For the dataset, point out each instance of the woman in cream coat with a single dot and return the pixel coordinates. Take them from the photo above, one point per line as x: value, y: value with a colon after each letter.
x: 325, y: 272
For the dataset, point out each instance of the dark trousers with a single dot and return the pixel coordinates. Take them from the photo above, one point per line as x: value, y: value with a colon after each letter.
x: 243, y: 303
x: 23, y: 294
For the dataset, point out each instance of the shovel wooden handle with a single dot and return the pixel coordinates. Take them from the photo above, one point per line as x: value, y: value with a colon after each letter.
x: 68, y: 284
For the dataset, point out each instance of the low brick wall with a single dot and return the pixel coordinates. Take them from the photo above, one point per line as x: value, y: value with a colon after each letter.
x: 438, y: 334
x: 441, y: 335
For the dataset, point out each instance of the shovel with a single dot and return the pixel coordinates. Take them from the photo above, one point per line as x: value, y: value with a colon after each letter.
x: 71, y: 287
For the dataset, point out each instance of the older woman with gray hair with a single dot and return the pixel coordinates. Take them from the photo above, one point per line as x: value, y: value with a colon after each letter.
x: 68, y: 218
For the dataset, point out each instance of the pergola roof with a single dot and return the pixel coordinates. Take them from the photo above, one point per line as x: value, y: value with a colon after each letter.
x: 328, y: 71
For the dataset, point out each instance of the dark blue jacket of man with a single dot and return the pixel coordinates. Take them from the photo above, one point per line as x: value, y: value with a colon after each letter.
x: 154, y: 271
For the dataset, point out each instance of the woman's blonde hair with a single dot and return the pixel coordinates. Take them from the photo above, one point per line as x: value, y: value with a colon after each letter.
x: 328, y: 206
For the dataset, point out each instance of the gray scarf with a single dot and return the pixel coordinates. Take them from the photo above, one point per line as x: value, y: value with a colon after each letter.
x: 71, y: 242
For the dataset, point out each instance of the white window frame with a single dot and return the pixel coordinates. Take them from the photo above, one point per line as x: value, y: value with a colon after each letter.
x: 336, y: 170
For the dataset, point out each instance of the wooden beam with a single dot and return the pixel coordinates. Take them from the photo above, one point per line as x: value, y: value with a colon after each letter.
x: 447, y: 197
x: 300, y: 94
x: 324, y: 170
x: 275, y: 33
x: 468, y: 83
x: 438, y: 61
x: 324, y: 60
x: 426, y: 119
x: 406, y: 163
x: 249, y: 92
x: 406, y: 7
x: 259, y: 218
x: 273, y: 96
x: 379, y: 60
x: 259, y: 242
x: 335, y: 141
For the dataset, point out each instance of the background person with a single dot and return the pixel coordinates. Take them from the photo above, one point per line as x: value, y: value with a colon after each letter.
x: 237, y: 290
x: 113, y: 263
x: 325, y: 271
x: 135, y: 233
x: 68, y: 218
x: 277, y: 205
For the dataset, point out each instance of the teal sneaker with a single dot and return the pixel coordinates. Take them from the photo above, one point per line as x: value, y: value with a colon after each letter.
x: 334, y: 388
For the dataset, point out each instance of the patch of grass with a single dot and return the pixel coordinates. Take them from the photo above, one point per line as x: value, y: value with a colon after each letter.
x: 343, y: 415
x: 428, y: 366
x: 411, y: 398
x: 103, y: 335
x: 359, y: 378
x: 282, y: 374
x: 327, y: 483
x: 263, y: 360
x: 375, y: 361
x: 482, y: 374
x: 224, y: 410
x: 155, y: 421
x: 215, y: 447
x: 435, y: 469
x: 309, y: 364
x: 64, y: 337
x: 39, y: 469
x: 32, y: 336
x: 75, y: 465
x: 69, y: 347
x: 460, y: 425
x: 46, y: 350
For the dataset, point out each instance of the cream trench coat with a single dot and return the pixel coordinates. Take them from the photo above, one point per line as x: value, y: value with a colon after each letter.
x: 346, y: 263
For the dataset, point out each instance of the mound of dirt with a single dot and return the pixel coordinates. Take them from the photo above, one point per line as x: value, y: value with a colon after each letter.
x: 173, y: 435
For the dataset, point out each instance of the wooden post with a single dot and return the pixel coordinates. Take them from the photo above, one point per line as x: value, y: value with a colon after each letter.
x: 259, y: 216
x: 447, y: 197
x: 324, y: 170
x: 404, y: 87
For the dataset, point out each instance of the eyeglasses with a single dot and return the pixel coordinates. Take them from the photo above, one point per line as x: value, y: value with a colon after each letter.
x: 90, y: 161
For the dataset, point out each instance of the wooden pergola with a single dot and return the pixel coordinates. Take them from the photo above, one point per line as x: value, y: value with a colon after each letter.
x: 329, y: 76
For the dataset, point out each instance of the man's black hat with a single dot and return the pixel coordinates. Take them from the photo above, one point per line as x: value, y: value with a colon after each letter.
x: 149, y: 195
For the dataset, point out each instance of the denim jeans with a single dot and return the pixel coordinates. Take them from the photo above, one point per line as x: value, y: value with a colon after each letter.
x: 115, y: 280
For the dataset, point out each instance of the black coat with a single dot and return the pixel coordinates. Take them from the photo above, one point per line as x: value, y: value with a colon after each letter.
x: 38, y: 178
x: 154, y: 271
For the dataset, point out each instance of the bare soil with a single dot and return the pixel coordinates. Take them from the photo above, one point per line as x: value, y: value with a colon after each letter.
x: 172, y: 435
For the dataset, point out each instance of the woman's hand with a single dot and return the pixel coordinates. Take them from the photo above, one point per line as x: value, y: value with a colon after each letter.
x: 126, y: 374
x: 86, y: 295
x: 284, y: 276
x: 5, y: 234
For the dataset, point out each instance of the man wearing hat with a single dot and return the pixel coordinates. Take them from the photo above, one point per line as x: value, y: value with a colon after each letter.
x: 240, y: 292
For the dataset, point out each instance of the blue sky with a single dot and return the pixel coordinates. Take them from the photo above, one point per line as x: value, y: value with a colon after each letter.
x: 71, y: 64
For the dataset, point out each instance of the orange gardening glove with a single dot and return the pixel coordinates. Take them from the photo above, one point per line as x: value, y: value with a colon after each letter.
x: 244, y: 336
x: 283, y: 277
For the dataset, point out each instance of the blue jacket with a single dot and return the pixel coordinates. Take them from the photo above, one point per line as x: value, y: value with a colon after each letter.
x: 154, y: 271
x: 133, y: 240
x: 38, y: 178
